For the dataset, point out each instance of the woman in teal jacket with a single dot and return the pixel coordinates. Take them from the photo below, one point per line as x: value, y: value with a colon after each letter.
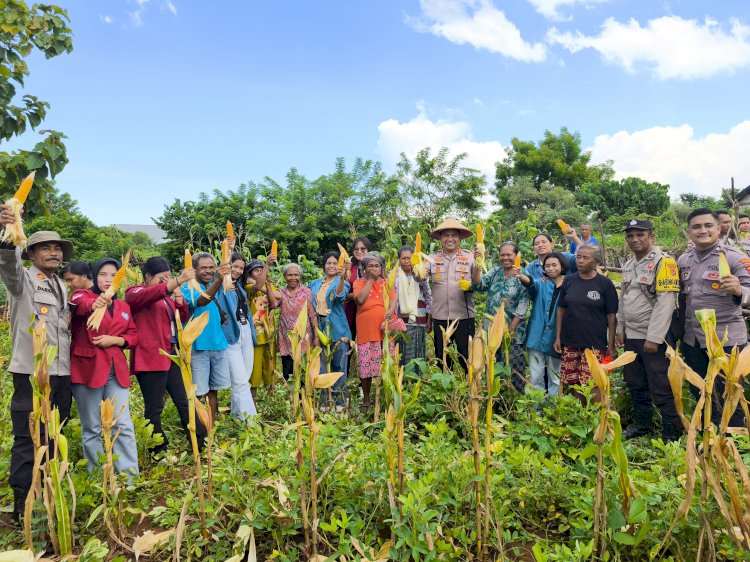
x: 328, y: 294
x: 544, y: 292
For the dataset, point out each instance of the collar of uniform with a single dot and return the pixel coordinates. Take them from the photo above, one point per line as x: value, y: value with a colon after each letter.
x: 700, y: 255
x: 452, y: 256
x: 648, y: 257
x: 37, y: 273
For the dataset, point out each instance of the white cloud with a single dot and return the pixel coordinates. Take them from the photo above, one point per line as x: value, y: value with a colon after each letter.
x: 171, y: 7
x: 478, y: 23
x: 674, y: 155
x: 411, y: 136
x: 136, y: 16
x: 106, y: 19
x: 549, y: 8
x: 670, y: 47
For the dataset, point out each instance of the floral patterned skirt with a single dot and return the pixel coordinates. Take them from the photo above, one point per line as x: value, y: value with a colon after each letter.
x: 370, y: 358
x: 574, y: 369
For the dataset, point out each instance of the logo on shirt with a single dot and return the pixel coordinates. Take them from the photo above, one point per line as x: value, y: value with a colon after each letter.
x: 43, y: 310
x: 594, y: 295
x: 125, y: 315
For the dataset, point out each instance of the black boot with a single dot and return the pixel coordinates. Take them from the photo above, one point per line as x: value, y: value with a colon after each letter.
x: 671, y: 432
x: 19, y: 503
x: 635, y: 430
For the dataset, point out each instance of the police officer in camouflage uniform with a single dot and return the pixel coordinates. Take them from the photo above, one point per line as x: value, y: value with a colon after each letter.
x: 701, y: 287
x: 34, y: 293
x: 648, y: 299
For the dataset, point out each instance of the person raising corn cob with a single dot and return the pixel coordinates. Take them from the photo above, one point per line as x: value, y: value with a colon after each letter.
x: 450, y: 271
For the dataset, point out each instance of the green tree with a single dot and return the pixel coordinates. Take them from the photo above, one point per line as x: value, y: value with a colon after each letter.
x: 557, y: 160
x: 435, y: 186
x: 607, y: 198
x: 694, y: 201
x: 23, y: 30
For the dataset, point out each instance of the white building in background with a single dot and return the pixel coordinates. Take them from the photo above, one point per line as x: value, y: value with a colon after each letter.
x: 151, y: 230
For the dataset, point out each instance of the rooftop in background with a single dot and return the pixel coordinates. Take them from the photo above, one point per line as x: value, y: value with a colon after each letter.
x: 154, y: 232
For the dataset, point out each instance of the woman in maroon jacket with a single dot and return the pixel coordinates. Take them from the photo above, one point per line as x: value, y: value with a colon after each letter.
x: 99, y: 368
x: 154, y: 305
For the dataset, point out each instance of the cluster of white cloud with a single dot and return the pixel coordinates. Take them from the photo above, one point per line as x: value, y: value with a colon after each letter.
x: 671, y: 47
x: 672, y: 155
x: 478, y: 23
x: 136, y: 15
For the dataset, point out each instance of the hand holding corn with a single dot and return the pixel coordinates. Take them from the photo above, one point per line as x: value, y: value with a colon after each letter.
x: 102, y: 301
x: 11, y: 214
x: 343, y: 267
x: 464, y: 285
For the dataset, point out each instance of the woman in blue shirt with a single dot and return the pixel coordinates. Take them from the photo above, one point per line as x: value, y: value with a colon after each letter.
x: 328, y: 294
x: 544, y: 293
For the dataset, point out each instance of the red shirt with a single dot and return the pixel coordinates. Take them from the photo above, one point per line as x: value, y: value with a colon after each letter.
x: 153, y: 312
x: 90, y: 364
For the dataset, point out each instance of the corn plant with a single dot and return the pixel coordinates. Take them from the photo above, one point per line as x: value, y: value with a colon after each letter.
x: 50, y: 461
x: 447, y: 334
x: 475, y: 369
x: 609, y: 424
x: 112, y: 494
x: 497, y: 335
x: 186, y: 336
x: 723, y: 471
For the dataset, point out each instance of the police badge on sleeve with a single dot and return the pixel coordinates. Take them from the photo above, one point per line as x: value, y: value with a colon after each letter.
x: 668, y: 279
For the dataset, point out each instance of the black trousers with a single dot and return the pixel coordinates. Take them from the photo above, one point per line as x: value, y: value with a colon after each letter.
x: 287, y: 366
x: 647, y: 381
x: 697, y: 359
x: 153, y: 385
x: 461, y: 338
x: 21, y: 405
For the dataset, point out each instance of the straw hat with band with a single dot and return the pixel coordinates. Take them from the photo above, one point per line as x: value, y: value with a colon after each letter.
x: 47, y: 236
x: 451, y: 224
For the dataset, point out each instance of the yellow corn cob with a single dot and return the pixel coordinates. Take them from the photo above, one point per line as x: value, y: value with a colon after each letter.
x: 723, y: 265
x: 480, y: 247
x: 230, y: 230
x: 96, y: 317
x: 275, y: 248
x: 193, y: 284
x: 518, y: 260
x: 226, y: 257
x: 343, y: 254
x: 14, y: 232
x: 418, y: 243
x: 564, y: 226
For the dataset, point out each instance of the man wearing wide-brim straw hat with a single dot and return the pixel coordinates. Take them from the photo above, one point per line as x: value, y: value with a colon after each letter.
x: 450, y: 280
x: 34, y: 293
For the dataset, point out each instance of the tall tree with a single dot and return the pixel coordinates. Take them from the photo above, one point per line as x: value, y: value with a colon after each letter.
x: 23, y: 30
x: 608, y: 198
x: 557, y: 160
x: 436, y: 186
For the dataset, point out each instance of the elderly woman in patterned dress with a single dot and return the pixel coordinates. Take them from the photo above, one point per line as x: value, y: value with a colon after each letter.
x: 292, y: 298
x: 501, y: 284
x: 414, y: 306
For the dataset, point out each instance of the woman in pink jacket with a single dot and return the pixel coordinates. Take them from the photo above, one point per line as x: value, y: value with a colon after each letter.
x: 155, y: 305
x: 99, y: 368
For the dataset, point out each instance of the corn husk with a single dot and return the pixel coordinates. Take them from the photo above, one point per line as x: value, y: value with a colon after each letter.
x: 193, y: 284
x: 96, y: 317
x: 343, y: 255
x: 226, y: 256
x: 481, y: 249
x: 724, y: 269
x: 14, y: 232
x: 497, y: 331
x: 517, y: 263
x: 564, y: 226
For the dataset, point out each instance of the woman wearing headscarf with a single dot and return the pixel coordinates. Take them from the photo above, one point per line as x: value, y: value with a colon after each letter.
x: 413, y: 306
x: 371, y: 316
x: 263, y: 298
x: 156, y: 304
x: 501, y: 285
x: 99, y: 368
x: 328, y: 294
x: 293, y: 297
x: 238, y: 331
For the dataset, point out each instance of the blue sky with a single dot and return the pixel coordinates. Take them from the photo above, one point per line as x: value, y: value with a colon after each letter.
x: 165, y: 99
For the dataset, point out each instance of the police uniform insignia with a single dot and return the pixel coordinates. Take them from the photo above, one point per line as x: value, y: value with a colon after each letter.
x: 650, y: 266
x: 43, y: 310
x: 667, y: 280
x: 715, y: 286
x: 41, y: 276
x: 633, y: 222
x: 437, y: 277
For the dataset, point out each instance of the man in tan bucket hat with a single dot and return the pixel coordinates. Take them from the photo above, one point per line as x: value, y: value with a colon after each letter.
x: 450, y: 280
x: 35, y: 293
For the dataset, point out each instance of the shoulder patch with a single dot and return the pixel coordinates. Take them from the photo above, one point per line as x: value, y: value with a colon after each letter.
x: 668, y: 279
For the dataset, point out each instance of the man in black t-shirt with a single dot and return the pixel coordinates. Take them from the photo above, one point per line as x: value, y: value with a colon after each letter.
x: 586, y: 318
